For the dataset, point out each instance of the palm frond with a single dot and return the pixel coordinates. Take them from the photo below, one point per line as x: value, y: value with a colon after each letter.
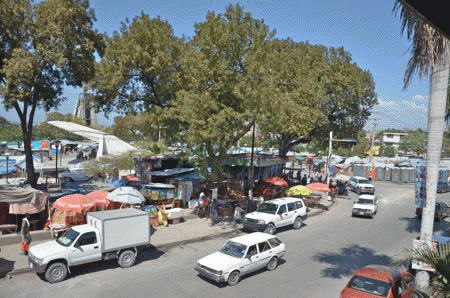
x: 440, y: 261
x: 427, y: 43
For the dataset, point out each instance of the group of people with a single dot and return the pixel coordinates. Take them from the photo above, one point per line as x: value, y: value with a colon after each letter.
x: 211, y: 208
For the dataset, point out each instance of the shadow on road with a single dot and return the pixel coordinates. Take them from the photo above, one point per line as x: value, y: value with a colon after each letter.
x: 6, y: 266
x: 349, y: 259
x: 224, y: 284
x: 143, y: 256
x: 413, y: 225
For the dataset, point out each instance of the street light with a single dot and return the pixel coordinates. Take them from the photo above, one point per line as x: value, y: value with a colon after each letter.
x: 56, y: 158
x: 7, y: 169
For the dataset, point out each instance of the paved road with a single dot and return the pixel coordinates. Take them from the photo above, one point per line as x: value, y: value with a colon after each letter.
x: 319, y: 260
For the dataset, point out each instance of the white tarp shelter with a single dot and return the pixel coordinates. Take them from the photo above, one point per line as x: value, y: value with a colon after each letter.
x: 107, y: 143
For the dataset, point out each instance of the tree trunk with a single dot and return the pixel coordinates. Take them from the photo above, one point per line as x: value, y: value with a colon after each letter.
x: 436, y: 120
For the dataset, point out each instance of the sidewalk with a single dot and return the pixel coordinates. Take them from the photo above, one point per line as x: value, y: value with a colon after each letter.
x: 193, y: 229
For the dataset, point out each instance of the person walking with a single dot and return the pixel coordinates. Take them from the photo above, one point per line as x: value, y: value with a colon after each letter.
x: 304, y: 180
x: 26, y: 237
x: 213, y: 210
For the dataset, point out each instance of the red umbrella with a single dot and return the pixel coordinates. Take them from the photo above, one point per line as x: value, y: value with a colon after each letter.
x: 99, y: 197
x: 318, y: 186
x: 277, y: 181
x: 74, y: 202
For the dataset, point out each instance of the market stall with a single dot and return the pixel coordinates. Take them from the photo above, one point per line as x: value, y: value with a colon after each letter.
x: 161, y: 194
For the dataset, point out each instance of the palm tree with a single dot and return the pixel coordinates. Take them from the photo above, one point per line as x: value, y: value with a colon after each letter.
x: 430, y: 57
x: 439, y: 259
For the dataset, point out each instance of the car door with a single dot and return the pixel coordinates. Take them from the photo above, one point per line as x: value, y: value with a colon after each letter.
x: 251, y: 260
x: 283, y: 215
x: 291, y: 213
x: 86, y: 249
x: 265, y: 253
x: 375, y: 201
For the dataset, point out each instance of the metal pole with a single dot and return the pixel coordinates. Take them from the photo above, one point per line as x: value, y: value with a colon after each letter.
x: 7, y: 169
x: 56, y: 159
x: 252, y: 168
x: 330, y: 144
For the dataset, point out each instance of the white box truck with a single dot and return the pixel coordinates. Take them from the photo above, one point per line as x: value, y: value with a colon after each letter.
x: 113, y: 234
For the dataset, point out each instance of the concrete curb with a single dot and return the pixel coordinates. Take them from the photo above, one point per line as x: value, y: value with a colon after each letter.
x: 167, y: 246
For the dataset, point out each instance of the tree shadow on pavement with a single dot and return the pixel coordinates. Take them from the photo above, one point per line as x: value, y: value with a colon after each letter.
x: 413, y: 225
x: 349, y: 259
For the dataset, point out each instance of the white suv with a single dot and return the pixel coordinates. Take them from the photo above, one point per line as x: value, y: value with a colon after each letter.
x: 242, y: 255
x: 361, y: 185
x: 276, y: 213
x: 366, y: 205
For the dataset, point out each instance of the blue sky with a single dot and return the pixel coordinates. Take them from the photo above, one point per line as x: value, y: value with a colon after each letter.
x: 369, y: 30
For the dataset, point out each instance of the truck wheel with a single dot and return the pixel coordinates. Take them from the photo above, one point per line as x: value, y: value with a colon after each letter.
x: 297, y: 223
x: 273, y: 263
x: 126, y: 259
x: 56, y: 272
x: 233, y: 278
x: 270, y: 229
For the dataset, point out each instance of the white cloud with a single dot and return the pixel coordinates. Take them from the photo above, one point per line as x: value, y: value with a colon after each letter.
x: 419, y: 97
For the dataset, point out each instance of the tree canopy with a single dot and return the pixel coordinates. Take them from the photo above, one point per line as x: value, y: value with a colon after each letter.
x: 44, y: 46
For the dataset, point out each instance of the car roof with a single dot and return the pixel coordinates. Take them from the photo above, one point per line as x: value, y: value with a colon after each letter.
x: 359, y: 177
x: 378, y: 272
x: 370, y: 197
x: 253, y: 238
x: 283, y: 200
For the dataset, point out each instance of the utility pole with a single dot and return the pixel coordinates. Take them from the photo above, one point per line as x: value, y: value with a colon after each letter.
x: 330, y: 145
x: 252, y: 167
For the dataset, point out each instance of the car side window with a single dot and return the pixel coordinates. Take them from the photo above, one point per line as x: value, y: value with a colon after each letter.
x: 282, y: 209
x: 291, y: 206
x: 274, y: 242
x: 263, y: 246
x: 252, y: 250
x: 299, y: 204
x: 87, y: 239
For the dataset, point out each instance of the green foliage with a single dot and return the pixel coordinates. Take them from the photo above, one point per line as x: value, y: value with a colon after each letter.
x: 388, y: 151
x: 415, y: 141
x: 109, y: 166
x: 343, y: 151
x: 152, y: 148
x: 9, y: 131
x: 140, y: 68
x: 218, y: 103
x: 362, y: 145
x: 44, y: 46
x: 440, y: 261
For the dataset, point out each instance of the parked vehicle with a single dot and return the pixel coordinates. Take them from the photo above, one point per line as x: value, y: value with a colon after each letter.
x: 379, y: 281
x: 441, y: 211
x: 240, y: 256
x: 366, y: 205
x: 361, y: 185
x: 112, y: 234
x: 276, y: 213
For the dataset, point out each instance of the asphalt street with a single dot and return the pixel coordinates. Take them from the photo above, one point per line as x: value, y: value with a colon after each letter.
x: 320, y: 258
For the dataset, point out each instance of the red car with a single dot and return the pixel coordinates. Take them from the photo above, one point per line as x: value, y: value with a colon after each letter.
x: 375, y: 281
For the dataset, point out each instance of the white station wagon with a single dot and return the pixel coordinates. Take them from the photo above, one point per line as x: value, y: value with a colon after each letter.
x: 240, y: 256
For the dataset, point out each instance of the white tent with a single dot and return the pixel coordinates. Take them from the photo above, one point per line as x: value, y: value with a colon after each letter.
x: 107, y: 143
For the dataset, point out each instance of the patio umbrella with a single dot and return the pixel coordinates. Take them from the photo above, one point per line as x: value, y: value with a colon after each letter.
x: 298, y: 191
x: 74, y: 202
x: 318, y: 186
x: 100, y: 198
x: 126, y: 195
x: 277, y: 181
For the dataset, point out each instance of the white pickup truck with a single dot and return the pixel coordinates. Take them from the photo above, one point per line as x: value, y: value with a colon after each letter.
x: 112, y: 234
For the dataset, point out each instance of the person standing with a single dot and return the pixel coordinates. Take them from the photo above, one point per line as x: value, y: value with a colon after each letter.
x: 213, y: 210
x: 25, y: 233
x: 304, y: 180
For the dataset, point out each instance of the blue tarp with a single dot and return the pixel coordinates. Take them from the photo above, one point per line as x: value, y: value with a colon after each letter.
x: 116, y: 182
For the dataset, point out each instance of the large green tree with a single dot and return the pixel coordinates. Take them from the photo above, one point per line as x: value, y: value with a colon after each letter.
x: 9, y: 131
x: 43, y: 46
x: 293, y: 76
x: 219, y: 103
x: 415, y: 142
x: 140, y: 69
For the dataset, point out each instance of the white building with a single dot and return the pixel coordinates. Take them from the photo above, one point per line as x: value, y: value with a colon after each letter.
x: 393, y: 138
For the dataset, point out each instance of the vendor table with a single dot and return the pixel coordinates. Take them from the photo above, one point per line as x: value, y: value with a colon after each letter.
x: 9, y: 229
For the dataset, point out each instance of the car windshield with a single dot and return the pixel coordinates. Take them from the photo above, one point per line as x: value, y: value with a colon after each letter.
x: 268, y: 208
x: 365, y: 201
x: 368, y: 285
x: 67, y: 238
x: 233, y: 249
x: 363, y: 181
